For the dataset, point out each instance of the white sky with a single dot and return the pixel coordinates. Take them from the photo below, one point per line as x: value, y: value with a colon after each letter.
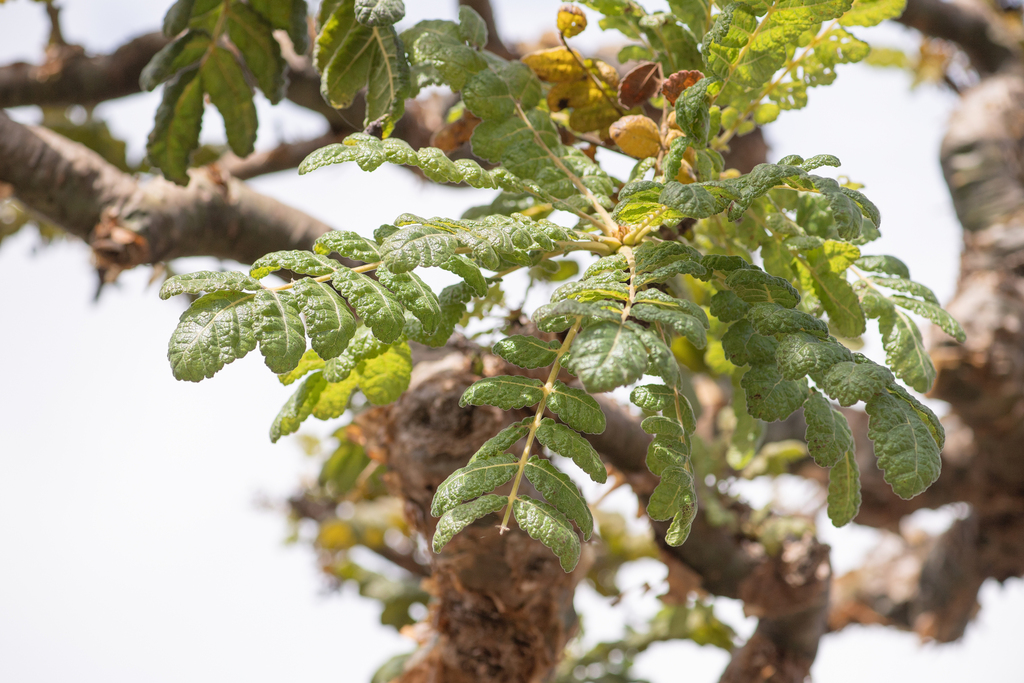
x: 131, y: 547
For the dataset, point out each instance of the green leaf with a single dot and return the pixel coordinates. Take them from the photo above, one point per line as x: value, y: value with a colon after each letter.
x: 440, y: 44
x: 664, y: 452
x: 844, y: 490
x: 526, y: 351
x: 225, y: 82
x: 607, y: 355
x: 458, y: 518
x: 388, y: 83
x: 826, y: 268
x: 559, y: 490
x: 298, y: 407
x: 906, y: 450
x: 742, y: 346
x: 772, y: 319
x: 472, y: 28
x: 343, y: 467
x: 494, y: 93
x: 418, y: 245
x: 173, y: 57
x: 923, y: 412
x: 310, y: 361
x: 253, y: 35
x: 576, y: 408
x: 905, y: 351
x: 372, y: 302
x: 214, y: 331
x: 290, y: 16
x: 379, y: 13
x: 207, y: 281
x: 883, y: 264
x: 176, y: 129
x: 907, y: 286
x: 692, y: 115
x: 279, y: 329
x: 849, y: 382
x: 679, y: 322
x: 828, y: 434
x: 728, y: 307
x: 673, y: 494
x: 872, y: 12
x: 177, y: 17
x: 693, y: 200
x: 506, y: 392
x: 769, y: 396
x: 799, y: 354
x: 650, y: 256
x: 660, y: 360
x: 568, y: 444
x: 669, y: 271
x: 679, y: 530
x: 478, y: 477
x: 503, y: 440
x: 329, y: 323
x: 662, y: 398
x: 934, y: 313
x: 468, y: 271
x: 384, y: 378
x: 348, y: 245
x: 453, y: 305
x: 363, y: 346
x: 549, y: 526
x: 302, y: 262
x: 414, y: 293
x: 659, y: 425
x: 758, y: 287
x: 333, y: 401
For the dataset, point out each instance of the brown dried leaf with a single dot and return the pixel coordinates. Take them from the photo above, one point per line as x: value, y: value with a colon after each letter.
x: 639, y: 85
x: 675, y: 84
x: 455, y: 134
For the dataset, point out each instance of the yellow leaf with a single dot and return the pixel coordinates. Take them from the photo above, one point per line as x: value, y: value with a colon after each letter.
x: 555, y: 65
x: 637, y: 136
x: 573, y: 94
x: 571, y: 20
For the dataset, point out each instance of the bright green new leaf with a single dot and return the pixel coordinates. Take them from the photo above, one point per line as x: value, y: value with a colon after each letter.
x: 459, y: 517
x: 298, y: 407
x: 384, y: 378
x: 507, y: 392
x: 478, y: 477
x: 279, y: 329
x: 576, y: 408
x: 769, y: 396
x: 329, y: 323
x: 546, y: 524
x: 906, y: 450
x: 607, y: 355
x: 673, y: 494
x: 207, y: 281
x: 872, y: 12
x: 526, y: 351
x: 214, y: 331
x: 568, y: 444
x: 559, y: 490
x: 372, y: 302
x: 310, y: 361
x: 333, y: 401
x: 828, y: 434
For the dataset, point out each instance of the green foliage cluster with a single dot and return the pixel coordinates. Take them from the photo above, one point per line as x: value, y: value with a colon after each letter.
x: 757, y: 277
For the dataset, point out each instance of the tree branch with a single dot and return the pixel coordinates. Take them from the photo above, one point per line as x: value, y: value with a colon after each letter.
x: 129, y: 222
x: 967, y: 27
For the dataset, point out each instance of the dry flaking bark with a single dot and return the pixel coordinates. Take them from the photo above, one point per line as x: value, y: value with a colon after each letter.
x: 503, y: 607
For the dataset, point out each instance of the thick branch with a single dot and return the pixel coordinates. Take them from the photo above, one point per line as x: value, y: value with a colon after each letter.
x: 215, y: 215
x: 968, y: 28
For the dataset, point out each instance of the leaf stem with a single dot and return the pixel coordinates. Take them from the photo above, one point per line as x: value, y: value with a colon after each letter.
x: 593, y: 78
x: 549, y: 387
x: 610, y: 228
x: 628, y: 253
